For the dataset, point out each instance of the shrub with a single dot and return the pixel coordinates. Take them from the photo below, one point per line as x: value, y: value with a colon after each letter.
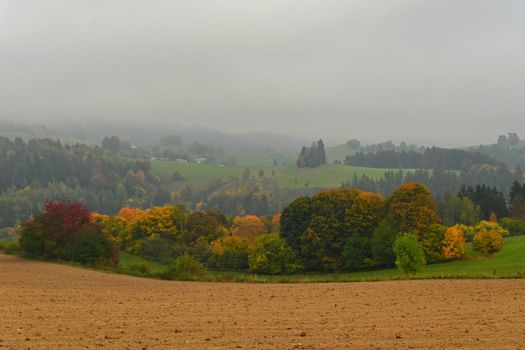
x: 454, y: 243
x: 32, y: 237
x: 88, y: 245
x: 229, y: 252
x: 9, y: 247
x: 488, y: 237
x: 201, y: 250
x: 157, y: 249
x: 432, y: 243
x: 468, y: 231
x: 410, y: 257
x: 185, y: 267
x: 139, y: 269
x: 271, y: 255
x: 516, y: 227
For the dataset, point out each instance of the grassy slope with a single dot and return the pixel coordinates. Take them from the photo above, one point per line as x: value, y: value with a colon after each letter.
x: 196, y: 174
x: 127, y: 260
x: 329, y: 175
x: 289, y: 176
x: 508, y: 263
x: 338, y: 153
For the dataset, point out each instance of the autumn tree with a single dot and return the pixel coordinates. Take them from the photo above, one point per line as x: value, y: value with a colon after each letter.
x: 128, y: 214
x: 203, y: 225
x: 432, y: 242
x: 65, y: 230
x: 229, y: 252
x: 516, y: 227
x: 454, y: 243
x: 362, y: 217
x: 248, y: 228
x: 162, y: 224
x: 413, y: 207
x: 47, y: 233
x: 113, y: 227
x: 332, y: 230
x: 488, y: 237
x: 271, y: 255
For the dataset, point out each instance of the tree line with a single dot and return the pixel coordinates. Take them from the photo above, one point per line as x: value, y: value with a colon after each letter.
x: 487, y: 186
x: 430, y: 158
x: 333, y: 230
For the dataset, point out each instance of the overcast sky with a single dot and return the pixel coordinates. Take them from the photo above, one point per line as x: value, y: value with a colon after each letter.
x: 441, y: 70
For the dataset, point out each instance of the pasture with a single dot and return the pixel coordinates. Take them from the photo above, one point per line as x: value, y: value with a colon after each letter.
x: 288, y: 176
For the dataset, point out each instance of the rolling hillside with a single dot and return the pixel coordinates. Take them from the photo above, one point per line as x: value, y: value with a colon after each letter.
x: 289, y: 176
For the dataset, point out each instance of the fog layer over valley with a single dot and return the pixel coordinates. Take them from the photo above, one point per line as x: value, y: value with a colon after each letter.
x: 422, y: 71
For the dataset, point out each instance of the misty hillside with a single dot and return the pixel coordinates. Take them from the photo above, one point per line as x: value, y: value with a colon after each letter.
x: 144, y: 135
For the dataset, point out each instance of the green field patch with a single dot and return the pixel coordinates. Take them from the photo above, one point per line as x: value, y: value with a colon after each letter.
x: 288, y: 176
x: 129, y: 262
x: 193, y: 173
x: 338, y: 152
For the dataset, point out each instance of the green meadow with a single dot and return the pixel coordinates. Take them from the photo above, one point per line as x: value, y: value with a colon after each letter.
x: 288, y: 176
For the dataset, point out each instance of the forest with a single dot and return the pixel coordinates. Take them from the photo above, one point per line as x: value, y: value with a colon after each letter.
x: 116, y: 174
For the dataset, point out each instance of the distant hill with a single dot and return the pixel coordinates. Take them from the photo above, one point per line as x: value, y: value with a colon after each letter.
x: 149, y: 134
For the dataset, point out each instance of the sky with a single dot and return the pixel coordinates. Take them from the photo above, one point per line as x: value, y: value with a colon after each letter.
x: 428, y: 71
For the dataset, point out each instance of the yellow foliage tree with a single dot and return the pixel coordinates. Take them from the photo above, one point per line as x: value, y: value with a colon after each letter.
x: 221, y: 245
x: 453, y: 243
x: 229, y: 252
x: 113, y: 227
x: 156, y: 221
x: 488, y: 237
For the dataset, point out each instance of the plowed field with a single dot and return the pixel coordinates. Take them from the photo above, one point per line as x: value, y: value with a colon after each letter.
x: 51, y: 306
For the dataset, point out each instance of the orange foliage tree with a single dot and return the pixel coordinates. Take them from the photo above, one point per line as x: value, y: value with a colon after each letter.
x: 129, y: 214
x: 453, y: 243
x: 249, y: 227
x: 229, y: 252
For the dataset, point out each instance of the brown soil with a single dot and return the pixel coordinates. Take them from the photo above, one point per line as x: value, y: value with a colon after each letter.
x: 50, y: 306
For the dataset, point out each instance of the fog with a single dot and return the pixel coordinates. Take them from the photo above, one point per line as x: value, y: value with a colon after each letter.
x: 443, y: 71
